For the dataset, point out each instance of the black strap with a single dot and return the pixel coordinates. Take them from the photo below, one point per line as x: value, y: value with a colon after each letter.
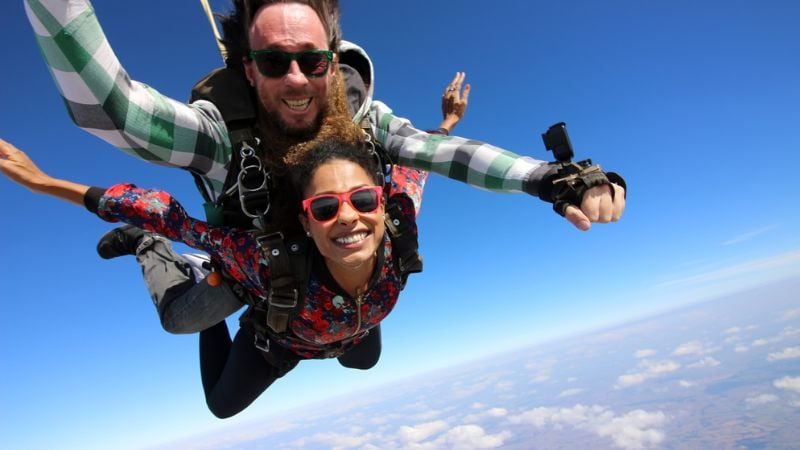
x: 289, y: 265
x: 404, y: 242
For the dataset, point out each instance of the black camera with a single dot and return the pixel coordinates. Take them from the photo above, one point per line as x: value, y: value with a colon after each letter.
x: 556, y: 140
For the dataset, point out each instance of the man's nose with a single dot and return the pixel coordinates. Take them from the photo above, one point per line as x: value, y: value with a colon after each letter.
x: 295, y: 76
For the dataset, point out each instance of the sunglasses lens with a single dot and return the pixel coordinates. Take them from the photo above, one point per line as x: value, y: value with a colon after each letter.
x: 365, y: 200
x: 273, y: 64
x: 313, y: 64
x: 324, y: 208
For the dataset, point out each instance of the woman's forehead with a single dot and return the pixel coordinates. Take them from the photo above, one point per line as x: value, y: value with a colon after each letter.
x: 338, y: 175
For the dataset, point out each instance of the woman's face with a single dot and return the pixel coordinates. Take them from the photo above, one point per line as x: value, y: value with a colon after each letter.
x: 350, y: 238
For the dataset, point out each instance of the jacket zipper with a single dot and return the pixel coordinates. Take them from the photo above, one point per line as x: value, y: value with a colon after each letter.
x: 358, y: 312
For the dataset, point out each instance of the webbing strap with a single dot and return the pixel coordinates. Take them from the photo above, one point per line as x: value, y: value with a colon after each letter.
x: 404, y: 242
x: 288, y: 268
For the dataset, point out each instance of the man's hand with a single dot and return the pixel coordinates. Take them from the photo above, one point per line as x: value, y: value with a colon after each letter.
x: 598, y: 205
x: 454, y: 102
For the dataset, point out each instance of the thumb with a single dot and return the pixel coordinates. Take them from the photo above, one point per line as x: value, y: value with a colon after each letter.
x: 577, y: 218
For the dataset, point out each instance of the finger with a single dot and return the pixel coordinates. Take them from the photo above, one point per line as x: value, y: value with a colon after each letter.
x: 458, y: 81
x: 619, y: 201
x: 7, y: 149
x: 577, y: 218
x: 597, y: 205
x: 465, y: 95
x: 455, y: 79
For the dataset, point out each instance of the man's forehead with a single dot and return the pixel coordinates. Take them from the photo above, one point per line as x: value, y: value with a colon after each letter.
x: 287, y: 25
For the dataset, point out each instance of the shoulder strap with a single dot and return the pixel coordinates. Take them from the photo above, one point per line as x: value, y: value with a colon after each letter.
x: 245, y: 191
x: 405, y: 244
x: 289, y: 267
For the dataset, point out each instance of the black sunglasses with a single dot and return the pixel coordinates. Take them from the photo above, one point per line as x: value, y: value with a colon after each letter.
x: 275, y: 63
x: 326, y: 207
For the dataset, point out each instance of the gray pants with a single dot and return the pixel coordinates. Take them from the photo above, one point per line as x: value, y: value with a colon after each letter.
x: 177, y: 285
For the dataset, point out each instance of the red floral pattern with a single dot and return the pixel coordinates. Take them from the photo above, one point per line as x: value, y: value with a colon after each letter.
x: 331, y: 321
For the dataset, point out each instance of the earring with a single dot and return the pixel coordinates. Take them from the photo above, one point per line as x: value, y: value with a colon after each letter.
x: 308, y: 233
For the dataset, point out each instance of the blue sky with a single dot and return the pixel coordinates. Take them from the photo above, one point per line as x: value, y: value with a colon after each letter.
x: 695, y: 104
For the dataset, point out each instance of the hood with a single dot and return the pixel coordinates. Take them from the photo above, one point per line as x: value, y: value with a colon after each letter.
x: 355, y: 57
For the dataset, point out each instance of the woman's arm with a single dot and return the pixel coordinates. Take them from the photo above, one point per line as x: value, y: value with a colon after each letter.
x: 152, y: 210
x: 18, y: 167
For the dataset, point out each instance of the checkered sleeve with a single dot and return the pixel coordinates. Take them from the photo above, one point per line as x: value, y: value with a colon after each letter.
x: 473, y: 162
x: 103, y: 100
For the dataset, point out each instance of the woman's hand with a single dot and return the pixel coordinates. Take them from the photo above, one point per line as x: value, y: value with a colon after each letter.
x: 18, y: 167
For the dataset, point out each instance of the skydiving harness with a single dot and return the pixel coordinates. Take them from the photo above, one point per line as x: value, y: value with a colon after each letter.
x: 245, y: 203
x: 289, y: 259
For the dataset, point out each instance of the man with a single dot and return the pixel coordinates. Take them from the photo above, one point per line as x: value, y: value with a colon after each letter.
x: 292, y: 70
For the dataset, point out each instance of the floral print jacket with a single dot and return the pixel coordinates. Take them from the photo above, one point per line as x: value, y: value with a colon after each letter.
x: 331, y: 320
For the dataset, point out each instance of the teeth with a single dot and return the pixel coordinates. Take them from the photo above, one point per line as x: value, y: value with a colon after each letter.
x: 352, y: 238
x: 298, y: 104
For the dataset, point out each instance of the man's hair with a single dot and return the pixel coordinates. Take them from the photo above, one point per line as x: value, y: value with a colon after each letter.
x: 236, y: 24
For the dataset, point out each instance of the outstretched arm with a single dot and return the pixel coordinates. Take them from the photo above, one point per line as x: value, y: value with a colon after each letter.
x: 18, y: 167
x: 103, y: 100
x: 485, y: 166
x: 152, y: 210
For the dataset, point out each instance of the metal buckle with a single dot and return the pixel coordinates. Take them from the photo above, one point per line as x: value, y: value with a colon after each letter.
x: 251, y: 165
x: 261, y: 344
x: 282, y: 299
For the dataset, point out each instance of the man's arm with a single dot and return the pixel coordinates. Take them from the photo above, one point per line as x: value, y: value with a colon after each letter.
x: 485, y: 166
x: 129, y: 115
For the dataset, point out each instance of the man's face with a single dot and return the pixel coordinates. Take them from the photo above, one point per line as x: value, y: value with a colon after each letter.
x: 293, y: 102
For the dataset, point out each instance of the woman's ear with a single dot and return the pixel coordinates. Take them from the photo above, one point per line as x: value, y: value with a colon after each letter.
x: 304, y: 221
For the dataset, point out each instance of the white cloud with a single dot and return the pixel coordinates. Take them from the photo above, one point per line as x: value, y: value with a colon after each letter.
x: 692, y: 348
x: 741, y: 349
x: 705, y: 362
x: 790, y: 315
x: 422, y: 431
x: 760, y: 343
x: 685, y: 384
x: 788, y: 383
x: 787, y: 353
x: 570, y: 392
x: 337, y: 440
x: 491, y: 412
x: 647, y: 369
x: 735, y: 272
x: 470, y: 437
x: 761, y: 399
x: 541, y: 369
x: 504, y: 385
x: 749, y: 235
x: 732, y: 330
x: 644, y: 353
x: 636, y: 429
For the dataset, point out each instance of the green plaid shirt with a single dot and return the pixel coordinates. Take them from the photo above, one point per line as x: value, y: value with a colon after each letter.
x: 135, y: 118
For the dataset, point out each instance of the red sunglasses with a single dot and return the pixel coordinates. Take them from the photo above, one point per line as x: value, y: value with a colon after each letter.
x: 326, y: 207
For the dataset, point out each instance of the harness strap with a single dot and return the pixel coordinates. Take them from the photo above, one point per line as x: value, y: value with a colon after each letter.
x: 289, y: 266
x: 404, y: 242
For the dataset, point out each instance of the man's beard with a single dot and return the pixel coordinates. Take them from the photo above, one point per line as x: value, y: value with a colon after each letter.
x: 275, y: 129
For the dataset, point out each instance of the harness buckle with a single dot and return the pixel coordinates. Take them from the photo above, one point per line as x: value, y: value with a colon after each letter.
x: 261, y: 343
x: 252, y: 183
x: 283, y: 299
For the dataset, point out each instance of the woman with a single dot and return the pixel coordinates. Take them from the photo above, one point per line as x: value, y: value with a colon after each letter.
x: 354, y: 279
